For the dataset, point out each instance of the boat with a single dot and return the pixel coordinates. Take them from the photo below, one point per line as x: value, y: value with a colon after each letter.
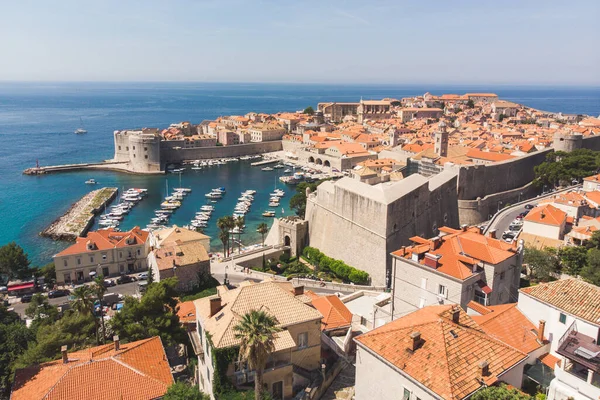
x: 183, y: 190
x: 207, y: 208
x: 287, y: 170
x: 81, y: 129
x: 268, y: 213
x: 214, y: 195
x: 91, y: 182
x: 195, y: 168
x: 278, y: 166
x: 273, y: 204
x: 219, y: 189
x: 266, y: 169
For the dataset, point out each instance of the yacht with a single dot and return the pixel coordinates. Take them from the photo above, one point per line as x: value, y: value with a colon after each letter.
x: 273, y: 204
x: 91, y: 182
x: 81, y: 129
x: 266, y: 169
x: 207, y: 208
x: 268, y: 213
x: 214, y: 195
x: 278, y: 166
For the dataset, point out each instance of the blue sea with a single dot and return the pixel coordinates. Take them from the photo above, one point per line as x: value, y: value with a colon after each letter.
x: 37, y: 121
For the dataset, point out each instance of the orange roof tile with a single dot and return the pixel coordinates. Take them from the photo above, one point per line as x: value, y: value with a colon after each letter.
x: 104, y: 239
x: 488, y: 155
x: 447, y: 358
x: 547, y: 214
x: 335, y: 313
x: 138, y: 370
x: 187, y: 312
x: 549, y: 360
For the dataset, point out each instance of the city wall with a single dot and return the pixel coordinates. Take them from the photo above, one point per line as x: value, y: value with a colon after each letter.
x: 591, y: 143
x: 177, y: 155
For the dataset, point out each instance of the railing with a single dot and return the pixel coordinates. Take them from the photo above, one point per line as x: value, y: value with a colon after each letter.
x: 572, y: 328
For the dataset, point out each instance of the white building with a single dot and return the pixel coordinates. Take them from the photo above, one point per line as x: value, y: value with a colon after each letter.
x: 571, y: 310
x: 591, y: 183
x: 545, y: 221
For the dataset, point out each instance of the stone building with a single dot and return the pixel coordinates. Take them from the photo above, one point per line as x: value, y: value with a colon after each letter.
x: 188, y: 262
x: 362, y: 224
x: 103, y: 252
x: 139, y: 148
x: 456, y: 267
x: 265, y: 132
x: 336, y: 112
x: 297, y: 347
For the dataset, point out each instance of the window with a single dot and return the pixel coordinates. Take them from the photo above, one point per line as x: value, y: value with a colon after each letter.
x: 119, y: 147
x: 145, y: 149
x: 134, y: 155
x: 421, y: 302
x: 139, y: 252
x: 127, y: 148
x: 502, y: 275
x: 91, y: 259
x: 79, y: 261
x: 302, y: 340
x: 65, y: 262
x: 562, y: 318
x: 443, y: 291
x: 120, y: 254
x: 134, y: 147
x: 146, y: 156
x: 104, y: 257
x: 363, y: 321
x: 406, y: 395
x: 423, y: 283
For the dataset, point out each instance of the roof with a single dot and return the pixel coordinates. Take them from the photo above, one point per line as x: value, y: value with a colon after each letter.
x: 176, y: 254
x: 549, y: 360
x: 335, y: 313
x: 574, y: 296
x: 458, y: 251
x: 547, y: 214
x: 105, y: 239
x: 488, y: 155
x: 506, y: 323
x: 267, y: 296
x: 593, y: 178
x: 176, y: 233
x: 138, y: 370
x: 446, y: 361
x: 187, y: 312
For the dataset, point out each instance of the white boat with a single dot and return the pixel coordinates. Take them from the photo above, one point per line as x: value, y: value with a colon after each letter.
x: 287, y: 170
x: 268, y: 213
x: 214, y: 195
x: 278, y: 166
x: 273, y: 204
x: 81, y: 129
x: 207, y: 208
x: 266, y: 169
x: 91, y: 182
x: 183, y: 190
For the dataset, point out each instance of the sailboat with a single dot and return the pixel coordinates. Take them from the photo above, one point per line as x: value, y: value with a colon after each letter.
x: 80, y: 130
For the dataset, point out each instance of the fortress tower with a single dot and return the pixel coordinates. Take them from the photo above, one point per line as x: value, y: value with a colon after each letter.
x: 567, y: 141
x: 441, y: 140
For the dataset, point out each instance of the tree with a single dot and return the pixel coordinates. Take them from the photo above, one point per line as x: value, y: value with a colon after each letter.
x: 155, y: 314
x: 48, y: 272
x: 543, y: 263
x: 14, y: 262
x: 223, y: 237
x: 500, y: 393
x: 83, y: 303
x: 591, y: 271
x: 98, y: 289
x: 594, y: 241
x: 239, y: 223
x: 309, y: 110
x: 263, y: 229
x: 184, y: 391
x: 298, y: 200
x: 562, y: 168
x: 256, y: 330
x: 150, y: 276
x: 225, y: 224
x: 14, y: 338
x: 41, y: 311
x: 470, y: 103
x: 573, y: 259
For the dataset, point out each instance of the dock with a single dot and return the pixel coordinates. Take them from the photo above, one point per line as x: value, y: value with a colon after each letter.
x: 265, y: 162
x: 80, y: 216
x: 37, y: 170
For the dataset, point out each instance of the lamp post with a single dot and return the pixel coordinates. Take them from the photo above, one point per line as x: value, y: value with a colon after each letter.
x: 520, y: 194
x: 225, y: 280
x: 499, y: 204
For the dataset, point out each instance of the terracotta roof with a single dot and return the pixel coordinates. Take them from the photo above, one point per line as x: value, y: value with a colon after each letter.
x: 105, y: 239
x: 138, y: 370
x: 547, y: 214
x: 573, y: 296
x: 488, y: 155
x: 187, y: 312
x: 446, y: 361
x: 174, y: 254
x: 506, y: 323
x: 176, y: 233
x: 335, y: 313
x: 267, y: 296
x: 549, y: 360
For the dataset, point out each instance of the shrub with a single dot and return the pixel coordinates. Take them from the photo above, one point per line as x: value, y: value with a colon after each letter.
x: 337, y: 268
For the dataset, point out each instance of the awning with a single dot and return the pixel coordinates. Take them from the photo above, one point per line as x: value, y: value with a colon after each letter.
x: 484, y: 287
x: 21, y: 286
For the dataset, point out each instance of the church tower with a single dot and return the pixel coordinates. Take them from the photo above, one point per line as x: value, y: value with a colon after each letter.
x: 441, y: 140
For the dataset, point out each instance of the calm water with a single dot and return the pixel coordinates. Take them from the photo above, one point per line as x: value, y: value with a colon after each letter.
x: 37, y: 122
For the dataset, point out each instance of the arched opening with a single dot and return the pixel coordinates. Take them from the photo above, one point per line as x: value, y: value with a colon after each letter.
x: 311, y: 159
x: 319, y: 161
x: 326, y: 163
x: 287, y: 241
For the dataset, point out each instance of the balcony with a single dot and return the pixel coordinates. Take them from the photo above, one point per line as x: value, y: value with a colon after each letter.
x: 582, y: 350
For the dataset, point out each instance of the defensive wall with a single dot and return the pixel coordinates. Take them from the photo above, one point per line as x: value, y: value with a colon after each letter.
x: 171, y: 154
x: 362, y: 224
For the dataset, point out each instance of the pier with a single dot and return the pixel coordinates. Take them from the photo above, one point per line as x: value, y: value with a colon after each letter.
x: 105, y: 165
x: 80, y: 217
x: 265, y: 162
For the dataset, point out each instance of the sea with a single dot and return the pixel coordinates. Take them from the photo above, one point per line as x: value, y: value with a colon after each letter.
x: 37, y: 121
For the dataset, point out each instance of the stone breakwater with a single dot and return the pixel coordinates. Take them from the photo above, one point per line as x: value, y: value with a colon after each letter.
x: 80, y: 216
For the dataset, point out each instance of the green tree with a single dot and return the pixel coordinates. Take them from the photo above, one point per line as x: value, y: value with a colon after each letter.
x: 543, y: 263
x: 155, y: 314
x: 41, y: 311
x: 591, y: 271
x: 562, y: 168
x: 239, y: 223
x: 594, y: 241
x: 470, y: 104
x: 263, y: 229
x: 14, y: 262
x: 150, y: 276
x: 98, y: 289
x: 225, y: 225
x: 224, y: 237
x: 14, y: 338
x: 48, y: 272
x: 83, y: 303
x: 500, y: 393
x: 184, y: 391
x: 573, y: 259
x: 256, y: 330
x: 309, y: 110
x: 298, y: 200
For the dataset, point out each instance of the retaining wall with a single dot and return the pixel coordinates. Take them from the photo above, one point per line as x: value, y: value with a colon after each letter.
x: 171, y: 155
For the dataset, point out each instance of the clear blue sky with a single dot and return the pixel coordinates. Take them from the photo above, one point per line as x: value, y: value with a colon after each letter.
x: 366, y: 41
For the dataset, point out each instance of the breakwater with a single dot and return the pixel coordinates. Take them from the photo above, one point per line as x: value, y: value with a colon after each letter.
x: 80, y: 216
x: 105, y: 165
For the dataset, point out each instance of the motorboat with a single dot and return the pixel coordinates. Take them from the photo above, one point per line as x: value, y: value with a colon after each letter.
x: 287, y: 170
x: 214, y: 195
x: 91, y: 182
x: 266, y: 169
x: 273, y: 204
x: 268, y: 213
x: 183, y: 190
x: 278, y: 166
x: 207, y: 208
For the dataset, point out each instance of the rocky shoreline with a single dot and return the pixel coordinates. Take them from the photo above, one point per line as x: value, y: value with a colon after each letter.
x: 80, y: 216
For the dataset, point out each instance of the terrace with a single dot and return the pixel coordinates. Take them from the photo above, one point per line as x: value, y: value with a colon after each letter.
x: 583, y: 355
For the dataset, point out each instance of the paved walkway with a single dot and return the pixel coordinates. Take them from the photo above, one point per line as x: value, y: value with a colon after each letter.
x: 342, y: 387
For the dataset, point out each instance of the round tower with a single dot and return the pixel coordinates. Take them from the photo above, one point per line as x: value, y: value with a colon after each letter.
x: 144, y: 152
x: 567, y: 141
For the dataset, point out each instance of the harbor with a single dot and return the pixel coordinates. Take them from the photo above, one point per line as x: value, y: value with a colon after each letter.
x: 80, y: 217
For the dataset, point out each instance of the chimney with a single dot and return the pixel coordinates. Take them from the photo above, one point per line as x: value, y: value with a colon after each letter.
x: 541, y: 330
x: 484, y: 367
x: 492, y: 233
x: 432, y: 260
x: 116, y: 342
x: 65, y: 356
x: 215, y: 304
x: 435, y: 242
x: 416, y: 340
x: 455, y: 314
x: 298, y: 290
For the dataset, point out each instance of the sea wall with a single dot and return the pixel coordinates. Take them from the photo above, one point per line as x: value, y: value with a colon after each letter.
x: 481, y: 180
x: 176, y: 155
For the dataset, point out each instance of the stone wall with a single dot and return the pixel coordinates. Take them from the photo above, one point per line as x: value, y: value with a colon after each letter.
x: 480, y: 180
x: 171, y: 155
x: 591, y: 143
x: 351, y: 221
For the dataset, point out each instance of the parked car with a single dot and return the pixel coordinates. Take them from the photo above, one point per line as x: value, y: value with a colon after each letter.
x: 514, y: 228
x: 509, y: 236
x: 524, y: 214
x: 124, y: 279
x: 109, y: 283
x: 143, y: 276
x: 58, y: 293
x: 26, y: 298
x: 517, y: 222
x: 529, y: 206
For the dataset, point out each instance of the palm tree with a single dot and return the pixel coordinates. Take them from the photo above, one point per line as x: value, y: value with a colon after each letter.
x: 83, y: 303
x: 256, y: 330
x: 263, y: 229
x: 239, y: 223
x: 224, y: 236
x: 99, y: 289
x: 225, y: 224
x: 230, y: 223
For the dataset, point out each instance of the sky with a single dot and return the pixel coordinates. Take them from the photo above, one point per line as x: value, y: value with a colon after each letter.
x: 302, y: 41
